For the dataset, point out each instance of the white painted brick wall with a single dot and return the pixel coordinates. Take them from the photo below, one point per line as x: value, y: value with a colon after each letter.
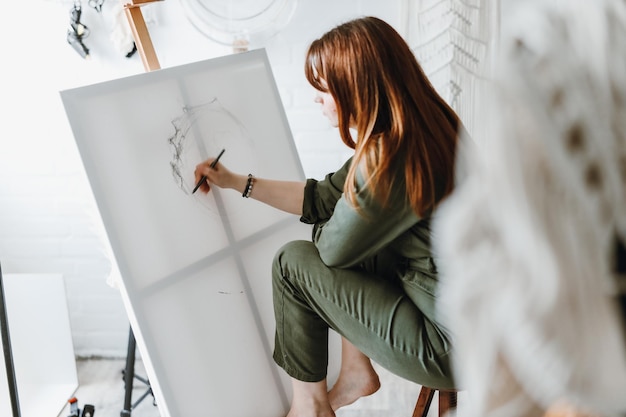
x: 48, y: 218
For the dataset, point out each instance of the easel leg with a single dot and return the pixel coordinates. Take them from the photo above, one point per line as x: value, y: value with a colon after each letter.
x: 149, y: 58
x: 141, y: 35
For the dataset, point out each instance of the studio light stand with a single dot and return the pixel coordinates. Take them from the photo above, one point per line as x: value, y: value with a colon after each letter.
x: 8, y: 355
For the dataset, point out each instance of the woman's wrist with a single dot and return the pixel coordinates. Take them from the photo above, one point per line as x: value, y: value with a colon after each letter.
x: 239, y: 183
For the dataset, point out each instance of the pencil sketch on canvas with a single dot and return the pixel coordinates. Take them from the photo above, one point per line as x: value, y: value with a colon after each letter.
x: 201, y: 131
x: 196, y: 268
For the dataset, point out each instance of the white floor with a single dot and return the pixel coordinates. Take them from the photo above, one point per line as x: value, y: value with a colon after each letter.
x: 101, y: 384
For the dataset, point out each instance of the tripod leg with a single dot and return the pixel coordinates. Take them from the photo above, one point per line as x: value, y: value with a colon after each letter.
x: 129, y: 374
x: 8, y: 356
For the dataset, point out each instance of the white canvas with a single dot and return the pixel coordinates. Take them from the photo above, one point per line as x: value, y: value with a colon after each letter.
x: 196, y: 269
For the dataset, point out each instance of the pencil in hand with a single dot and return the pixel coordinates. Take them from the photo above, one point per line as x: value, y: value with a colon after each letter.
x: 203, y: 179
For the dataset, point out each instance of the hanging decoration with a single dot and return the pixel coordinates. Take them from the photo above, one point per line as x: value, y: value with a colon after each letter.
x: 119, y: 33
x: 78, y: 31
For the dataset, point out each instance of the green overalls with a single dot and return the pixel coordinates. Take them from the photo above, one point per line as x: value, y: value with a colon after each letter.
x: 370, y: 277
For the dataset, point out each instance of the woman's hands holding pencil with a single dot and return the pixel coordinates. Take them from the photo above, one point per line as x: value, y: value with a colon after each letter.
x: 217, y: 174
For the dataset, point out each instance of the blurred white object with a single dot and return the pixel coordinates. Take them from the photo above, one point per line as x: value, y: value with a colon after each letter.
x: 527, y: 239
x: 239, y: 23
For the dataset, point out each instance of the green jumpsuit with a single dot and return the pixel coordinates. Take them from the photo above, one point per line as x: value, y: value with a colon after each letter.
x: 368, y: 275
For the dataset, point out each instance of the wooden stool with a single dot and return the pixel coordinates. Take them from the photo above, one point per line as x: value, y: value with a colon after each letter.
x: 447, y: 401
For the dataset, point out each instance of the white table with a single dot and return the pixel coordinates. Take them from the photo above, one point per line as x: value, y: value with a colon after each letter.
x: 41, y: 341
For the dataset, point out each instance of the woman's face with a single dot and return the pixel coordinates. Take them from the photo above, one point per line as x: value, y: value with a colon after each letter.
x: 329, y: 107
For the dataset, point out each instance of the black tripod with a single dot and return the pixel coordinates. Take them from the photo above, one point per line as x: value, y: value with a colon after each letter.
x: 8, y: 355
x: 128, y: 375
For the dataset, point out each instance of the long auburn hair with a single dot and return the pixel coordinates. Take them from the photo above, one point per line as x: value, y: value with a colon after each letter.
x: 378, y: 84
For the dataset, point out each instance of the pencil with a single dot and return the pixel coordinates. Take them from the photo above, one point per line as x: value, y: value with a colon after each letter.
x: 203, y: 179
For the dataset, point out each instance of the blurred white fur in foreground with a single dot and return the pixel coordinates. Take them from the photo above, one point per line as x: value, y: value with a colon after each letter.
x: 526, y: 240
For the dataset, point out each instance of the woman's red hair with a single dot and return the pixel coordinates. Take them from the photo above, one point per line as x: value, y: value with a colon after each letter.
x: 400, y: 119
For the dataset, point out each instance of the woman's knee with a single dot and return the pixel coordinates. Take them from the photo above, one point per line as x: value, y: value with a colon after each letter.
x: 293, y: 256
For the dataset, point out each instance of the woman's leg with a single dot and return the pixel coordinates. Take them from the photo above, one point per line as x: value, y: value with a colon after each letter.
x: 357, y: 377
x: 310, y: 399
x: 372, y: 312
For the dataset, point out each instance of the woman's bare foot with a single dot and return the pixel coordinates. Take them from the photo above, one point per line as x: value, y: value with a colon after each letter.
x: 357, y: 377
x: 352, y: 385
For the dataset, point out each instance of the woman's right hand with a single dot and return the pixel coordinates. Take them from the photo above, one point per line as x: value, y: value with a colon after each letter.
x: 219, y: 175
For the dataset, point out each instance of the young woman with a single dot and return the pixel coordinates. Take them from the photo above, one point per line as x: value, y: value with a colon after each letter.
x: 368, y: 273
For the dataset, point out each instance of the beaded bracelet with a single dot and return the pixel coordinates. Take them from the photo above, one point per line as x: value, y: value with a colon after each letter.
x: 249, y: 184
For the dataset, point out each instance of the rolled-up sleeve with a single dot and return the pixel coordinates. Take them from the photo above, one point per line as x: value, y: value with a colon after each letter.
x: 351, y: 236
x: 320, y: 197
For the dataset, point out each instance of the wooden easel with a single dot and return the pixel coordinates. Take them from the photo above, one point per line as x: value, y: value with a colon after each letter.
x: 150, y: 63
x: 141, y: 34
